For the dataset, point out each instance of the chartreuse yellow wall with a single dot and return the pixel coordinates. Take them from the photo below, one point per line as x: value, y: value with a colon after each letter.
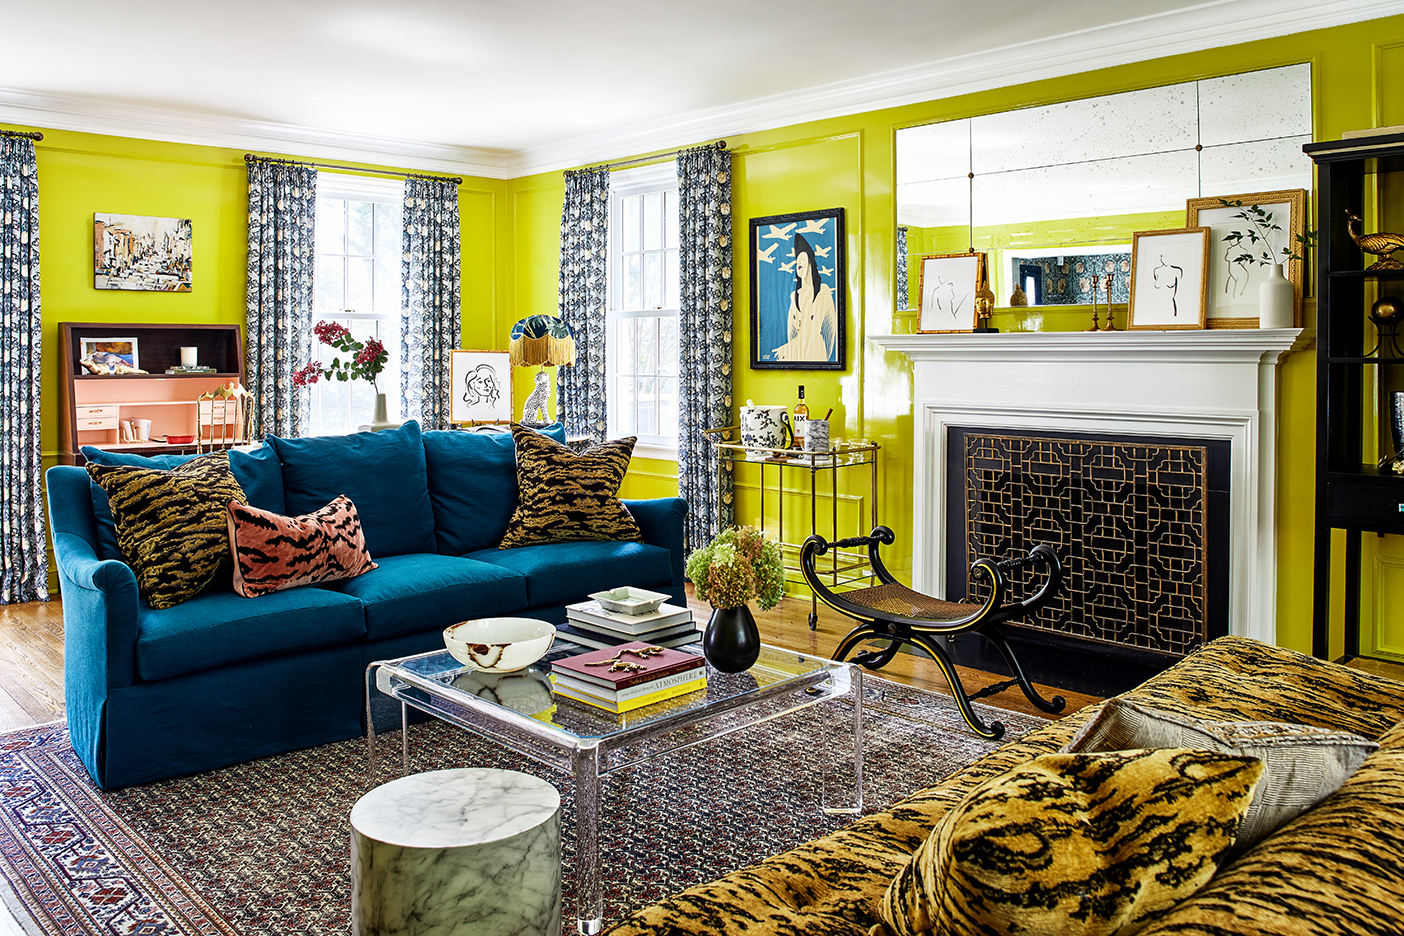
x: 511, y: 256
x: 1358, y: 82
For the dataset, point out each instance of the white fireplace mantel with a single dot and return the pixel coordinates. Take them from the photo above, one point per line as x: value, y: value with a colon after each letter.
x: 1219, y: 384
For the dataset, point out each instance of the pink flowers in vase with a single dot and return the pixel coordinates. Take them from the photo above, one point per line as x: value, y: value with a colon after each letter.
x: 366, y: 362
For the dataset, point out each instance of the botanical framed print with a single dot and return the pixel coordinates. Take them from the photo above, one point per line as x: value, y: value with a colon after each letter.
x: 107, y: 353
x: 798, y: 315
x: 482, y: 387
x: 1248, y: 233
x: 1169, y: 279
x: 946, y: 302
x: 141, y: 252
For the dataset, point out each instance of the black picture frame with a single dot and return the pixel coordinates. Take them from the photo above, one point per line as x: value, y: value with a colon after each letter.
x: 774, y: 255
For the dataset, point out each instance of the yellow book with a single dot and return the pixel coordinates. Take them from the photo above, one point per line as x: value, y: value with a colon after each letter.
x: 637, y: 702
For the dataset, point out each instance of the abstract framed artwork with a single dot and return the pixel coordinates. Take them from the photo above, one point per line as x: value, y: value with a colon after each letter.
x: 482, y: 387
x: 1247, y: 234
x: 798, y: 313
x: 946, y: 302
x: 141, y: 252
x: 1169, y: 279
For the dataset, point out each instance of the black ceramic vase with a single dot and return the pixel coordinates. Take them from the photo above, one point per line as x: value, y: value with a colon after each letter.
x: 731, y: 642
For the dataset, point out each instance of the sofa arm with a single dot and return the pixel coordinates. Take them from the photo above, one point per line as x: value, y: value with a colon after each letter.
x: 661, y: 522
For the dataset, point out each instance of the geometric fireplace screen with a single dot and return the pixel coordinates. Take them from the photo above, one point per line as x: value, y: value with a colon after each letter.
x: 1140, y: 524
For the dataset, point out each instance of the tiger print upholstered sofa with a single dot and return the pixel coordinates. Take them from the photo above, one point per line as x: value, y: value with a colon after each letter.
x: 1336, y: 869
x: 220, y: 679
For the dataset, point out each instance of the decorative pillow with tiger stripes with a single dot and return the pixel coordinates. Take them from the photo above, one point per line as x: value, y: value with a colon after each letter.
x: 273, y: 552
x: 170, y: 524
x: 1093, y: 844
x: 565, y: 496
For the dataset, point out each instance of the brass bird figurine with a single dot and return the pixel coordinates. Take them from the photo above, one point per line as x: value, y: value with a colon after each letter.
x: 1381, y: 245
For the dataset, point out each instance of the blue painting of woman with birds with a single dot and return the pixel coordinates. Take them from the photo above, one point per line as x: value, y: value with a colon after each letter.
x: 797, y: 291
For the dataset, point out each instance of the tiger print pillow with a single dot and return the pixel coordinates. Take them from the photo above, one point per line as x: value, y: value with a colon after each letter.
x: 273, y: 552
x: 170, y: 524
x: 564, y: 496
x: 1093, y: 844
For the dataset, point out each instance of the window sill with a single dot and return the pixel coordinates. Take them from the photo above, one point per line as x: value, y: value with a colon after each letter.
x: 656, y: 450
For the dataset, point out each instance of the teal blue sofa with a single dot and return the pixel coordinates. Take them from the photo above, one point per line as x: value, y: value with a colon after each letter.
x: 221, y: 679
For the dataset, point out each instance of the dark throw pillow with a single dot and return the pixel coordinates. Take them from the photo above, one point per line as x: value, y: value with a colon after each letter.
x: 273, y: 552
x: 1093, y: 844
x: 566, y: 497
x: 170, y: 523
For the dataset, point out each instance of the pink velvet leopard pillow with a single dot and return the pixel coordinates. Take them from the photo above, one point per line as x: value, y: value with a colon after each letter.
x: 273, y: 552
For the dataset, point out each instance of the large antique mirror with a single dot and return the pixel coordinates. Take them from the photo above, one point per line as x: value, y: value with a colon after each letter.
x: 1053, y: 194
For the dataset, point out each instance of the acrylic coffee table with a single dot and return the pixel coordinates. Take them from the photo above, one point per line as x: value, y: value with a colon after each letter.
x: 518, y: 711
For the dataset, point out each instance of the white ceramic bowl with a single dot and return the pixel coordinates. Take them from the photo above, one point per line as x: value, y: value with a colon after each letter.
x: 500, y: 644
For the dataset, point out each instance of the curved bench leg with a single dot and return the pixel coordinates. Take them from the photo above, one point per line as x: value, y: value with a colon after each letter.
x: 995, y: 730
x: 868, y: 659
x: 995, y: 636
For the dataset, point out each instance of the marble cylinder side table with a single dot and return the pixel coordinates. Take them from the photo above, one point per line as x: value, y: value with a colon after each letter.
x: 471, y: 850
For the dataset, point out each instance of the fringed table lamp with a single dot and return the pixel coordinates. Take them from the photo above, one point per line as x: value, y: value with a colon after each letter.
x: 541, y: 340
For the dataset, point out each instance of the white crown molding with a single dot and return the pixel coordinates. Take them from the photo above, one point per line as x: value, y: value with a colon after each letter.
x: 83, y: 115
x: 1208, y: 25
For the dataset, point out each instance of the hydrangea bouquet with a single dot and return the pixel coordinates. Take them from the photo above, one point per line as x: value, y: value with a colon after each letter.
x: 738, y: 565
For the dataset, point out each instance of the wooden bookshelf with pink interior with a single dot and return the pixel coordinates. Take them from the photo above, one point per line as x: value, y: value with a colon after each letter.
x: 105, y: 403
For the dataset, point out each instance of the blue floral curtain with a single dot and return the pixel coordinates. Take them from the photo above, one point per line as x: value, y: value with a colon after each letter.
x: 282, y: 257
x: 430, y: 326
x: 24, y: 561
x: 584, y: 279
x: 903, y: 289
x: 704, y: 384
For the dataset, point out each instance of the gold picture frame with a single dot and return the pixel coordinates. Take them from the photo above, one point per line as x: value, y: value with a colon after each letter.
x: 1233, y: 285
x: 1169, y: 279
x: 946, y: 301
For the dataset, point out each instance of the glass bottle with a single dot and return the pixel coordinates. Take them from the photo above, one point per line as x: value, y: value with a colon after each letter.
x: 800, y: 419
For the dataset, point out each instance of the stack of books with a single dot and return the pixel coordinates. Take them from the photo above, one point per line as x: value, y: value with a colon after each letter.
x: 193, y: 369
x: 590, y: 625
x: 630, y: 676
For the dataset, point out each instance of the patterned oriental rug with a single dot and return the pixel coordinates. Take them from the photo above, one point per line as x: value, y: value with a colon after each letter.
x: 262, y: 849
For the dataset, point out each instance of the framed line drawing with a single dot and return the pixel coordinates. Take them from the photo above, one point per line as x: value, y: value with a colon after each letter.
x: 109, y: 352
x: 482, y: 387
x: 1169, y: 279
x: 141, y: 252
x: 1245, y: 237
x: 798, y: 313
x: 946, y: 302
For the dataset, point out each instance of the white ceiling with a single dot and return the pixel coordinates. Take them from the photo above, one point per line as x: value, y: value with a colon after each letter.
x: 505, y: 88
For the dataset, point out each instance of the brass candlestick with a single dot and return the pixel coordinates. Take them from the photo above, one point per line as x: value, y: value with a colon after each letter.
x: 1094, y: 307
x: 1110, y: 326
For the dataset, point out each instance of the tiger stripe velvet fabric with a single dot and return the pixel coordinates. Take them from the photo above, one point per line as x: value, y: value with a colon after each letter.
x: 564, y: 496
x: 1335, y: 870
x: 273, y: 552
x: 170, y: 524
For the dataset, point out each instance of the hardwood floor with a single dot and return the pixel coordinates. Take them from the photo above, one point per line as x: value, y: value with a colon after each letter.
x: 31, y: 658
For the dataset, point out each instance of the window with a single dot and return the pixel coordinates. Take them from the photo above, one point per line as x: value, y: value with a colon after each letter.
x: 358, y: 285
x: 642, y: 358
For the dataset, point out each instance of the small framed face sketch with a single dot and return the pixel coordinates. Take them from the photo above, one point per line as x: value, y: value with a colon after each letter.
x: 482, y: 387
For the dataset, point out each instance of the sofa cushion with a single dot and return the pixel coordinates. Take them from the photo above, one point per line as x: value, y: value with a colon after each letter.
x: 382, y: 472
x: 170, y: 524
x: 1333, y: 871
x: 218, y: 628
x: 257, y: 471
x: 427, y: 591
x: 1094, y: 844
x: 473, y: 485
x: 272, y: 552
x: 1304, y: 764
x: 563, y: 496
x: 565, y: 572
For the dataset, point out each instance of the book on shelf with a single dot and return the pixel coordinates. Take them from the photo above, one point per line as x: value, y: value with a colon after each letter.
x: 593, y: 667
x: 591, y: 612
x: 620, y: 706
x: 198, y: 369
x: 580, y: 633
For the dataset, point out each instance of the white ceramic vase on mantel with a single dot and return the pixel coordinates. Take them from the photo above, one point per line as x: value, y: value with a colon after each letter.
x: 1277, y: 299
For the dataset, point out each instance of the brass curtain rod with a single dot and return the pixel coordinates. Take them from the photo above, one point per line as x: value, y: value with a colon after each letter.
x: 35, y: 135
x: 720, y: 144
x: 250, y: 157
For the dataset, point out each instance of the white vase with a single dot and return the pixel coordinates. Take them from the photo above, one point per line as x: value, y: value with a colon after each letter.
x: 379, y: 422
x: 1277, y: 300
